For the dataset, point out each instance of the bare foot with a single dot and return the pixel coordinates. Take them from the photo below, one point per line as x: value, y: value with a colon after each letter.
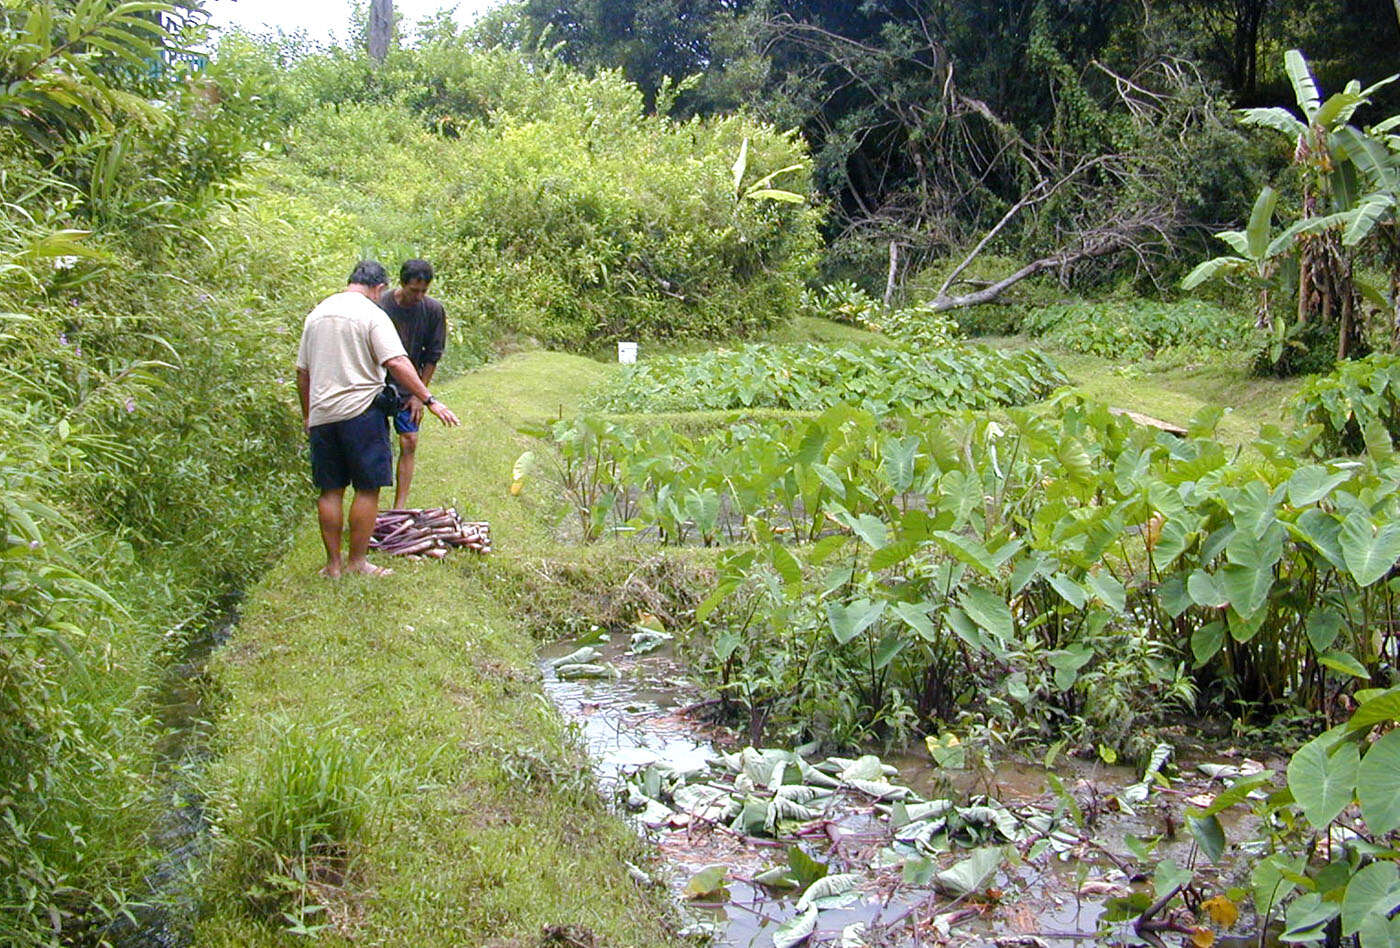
x: 369, y: 569
x: 331, y: 572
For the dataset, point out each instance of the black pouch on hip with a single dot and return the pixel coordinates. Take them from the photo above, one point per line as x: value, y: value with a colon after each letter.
x: 389, y: 400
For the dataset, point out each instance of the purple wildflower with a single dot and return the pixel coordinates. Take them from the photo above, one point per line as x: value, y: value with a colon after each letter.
x: 130, y: 404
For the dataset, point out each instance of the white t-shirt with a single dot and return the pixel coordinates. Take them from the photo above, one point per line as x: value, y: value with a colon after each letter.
x: 345, y: 342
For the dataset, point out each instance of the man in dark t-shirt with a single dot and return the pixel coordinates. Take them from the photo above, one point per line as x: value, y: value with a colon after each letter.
x: 422, y: 326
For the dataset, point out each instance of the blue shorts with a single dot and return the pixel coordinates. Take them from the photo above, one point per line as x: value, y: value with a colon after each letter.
x: 403, y: 422
x: 354, y: 451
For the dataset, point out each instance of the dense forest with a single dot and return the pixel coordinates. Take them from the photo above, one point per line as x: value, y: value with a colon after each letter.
x: 1171, y: 176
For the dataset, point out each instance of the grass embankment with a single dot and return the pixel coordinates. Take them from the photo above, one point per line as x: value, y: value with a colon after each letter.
x: 485, y: 826
x: 1176, y: 393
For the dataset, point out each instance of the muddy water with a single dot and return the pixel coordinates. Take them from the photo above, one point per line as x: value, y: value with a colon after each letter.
x: 633, y: 721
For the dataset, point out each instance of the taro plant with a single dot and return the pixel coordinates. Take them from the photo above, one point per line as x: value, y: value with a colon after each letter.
x: 1347, y: 402
x: 1341, y: 805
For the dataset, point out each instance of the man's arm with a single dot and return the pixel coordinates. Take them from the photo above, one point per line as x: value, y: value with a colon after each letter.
x: 304, y: 392
x: 401, y: 368
x: 415, y: 406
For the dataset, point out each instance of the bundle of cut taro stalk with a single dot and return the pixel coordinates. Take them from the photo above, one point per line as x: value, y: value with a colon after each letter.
x: 428, y: 531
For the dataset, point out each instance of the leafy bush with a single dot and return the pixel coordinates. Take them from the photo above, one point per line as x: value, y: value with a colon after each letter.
x: 841, y: 302
x: 810, y: 378
x: 574, y: 218
x: 150, y: 458
x: 1355, y: 402
x: 1130, y: 330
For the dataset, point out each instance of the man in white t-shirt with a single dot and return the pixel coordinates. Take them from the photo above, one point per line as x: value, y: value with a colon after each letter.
x: 347, y: 343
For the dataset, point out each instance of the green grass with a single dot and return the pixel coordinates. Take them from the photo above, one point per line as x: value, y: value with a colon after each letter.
x: 483, y: 821
x: 1177, y: 393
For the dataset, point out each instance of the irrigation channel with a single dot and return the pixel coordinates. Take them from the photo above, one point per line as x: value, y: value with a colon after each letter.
x: 1007, y: 854
x: 166, y: 918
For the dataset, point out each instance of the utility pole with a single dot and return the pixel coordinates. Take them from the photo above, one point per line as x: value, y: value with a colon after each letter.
x: 381, y: 26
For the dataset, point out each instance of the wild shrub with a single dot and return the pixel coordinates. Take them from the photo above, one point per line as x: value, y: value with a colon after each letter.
x: 574, y: 218
x: 147, y: 448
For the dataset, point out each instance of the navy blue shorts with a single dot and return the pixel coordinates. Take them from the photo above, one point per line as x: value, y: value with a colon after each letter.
x: 354, y: 451
x: 403, y: 422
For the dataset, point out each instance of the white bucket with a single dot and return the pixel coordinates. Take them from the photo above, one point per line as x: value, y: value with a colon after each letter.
x: 627, y: 352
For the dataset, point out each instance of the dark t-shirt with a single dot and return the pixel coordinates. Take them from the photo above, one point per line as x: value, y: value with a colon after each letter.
x: 423, y: 328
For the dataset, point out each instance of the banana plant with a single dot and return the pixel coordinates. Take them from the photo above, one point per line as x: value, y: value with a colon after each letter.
x: 1263, y: 259
x: 760, y: 190
x: 1332, y: 188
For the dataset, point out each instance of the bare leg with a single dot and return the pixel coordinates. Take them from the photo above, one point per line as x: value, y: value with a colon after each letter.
x: 403, y: 479
x: 330, y: 512
x: 363, y: 510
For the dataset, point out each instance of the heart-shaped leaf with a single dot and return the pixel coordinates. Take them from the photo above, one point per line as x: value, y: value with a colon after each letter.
x: 1378, y: 784
x: 1322, y: 783
x: 1369, y: 552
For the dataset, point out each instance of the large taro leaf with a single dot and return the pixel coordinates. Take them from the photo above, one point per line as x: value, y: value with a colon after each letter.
x: 1307, y: 917
x: 1369, y: 552
x: 1246, y: 586
x: 989, y: 611
x: 1379, y: 709
x: 849, y: 620
x: 796, y: 930
x: 1322, y: 783
x: 1374, y: 890
x: 1323, y: 626
x: 829, y: 891
x: 1378, y: 784
x: 1377, y: 931
x: 1312, y: 482
x: 969, y: 876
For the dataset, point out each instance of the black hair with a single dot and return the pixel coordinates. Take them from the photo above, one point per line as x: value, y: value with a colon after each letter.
x: 415, y: 269
x: 369, y: 273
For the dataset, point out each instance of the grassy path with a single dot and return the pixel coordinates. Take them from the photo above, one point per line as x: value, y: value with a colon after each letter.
x: 1178, y: 393
x: 486, y: 829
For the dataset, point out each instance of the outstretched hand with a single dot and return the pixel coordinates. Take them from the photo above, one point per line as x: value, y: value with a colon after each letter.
x: 444, y: 414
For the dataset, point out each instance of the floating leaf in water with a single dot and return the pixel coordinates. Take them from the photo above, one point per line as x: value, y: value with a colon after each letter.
x: 578, y: 657
x: 779, y: 877
x: 881, y: 790
x: 780, y: 810
x: 648, y: 640
x: 853, y: 936
x: 796, y: 930
x: 576, y: 670
x: 804, y: 868
x: 828, y: 891
x: 970, y: 875
x: 707, y: 883
x: 706, y: 803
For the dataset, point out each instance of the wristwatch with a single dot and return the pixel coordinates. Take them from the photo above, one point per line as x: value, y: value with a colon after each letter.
x: 429, y: 400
